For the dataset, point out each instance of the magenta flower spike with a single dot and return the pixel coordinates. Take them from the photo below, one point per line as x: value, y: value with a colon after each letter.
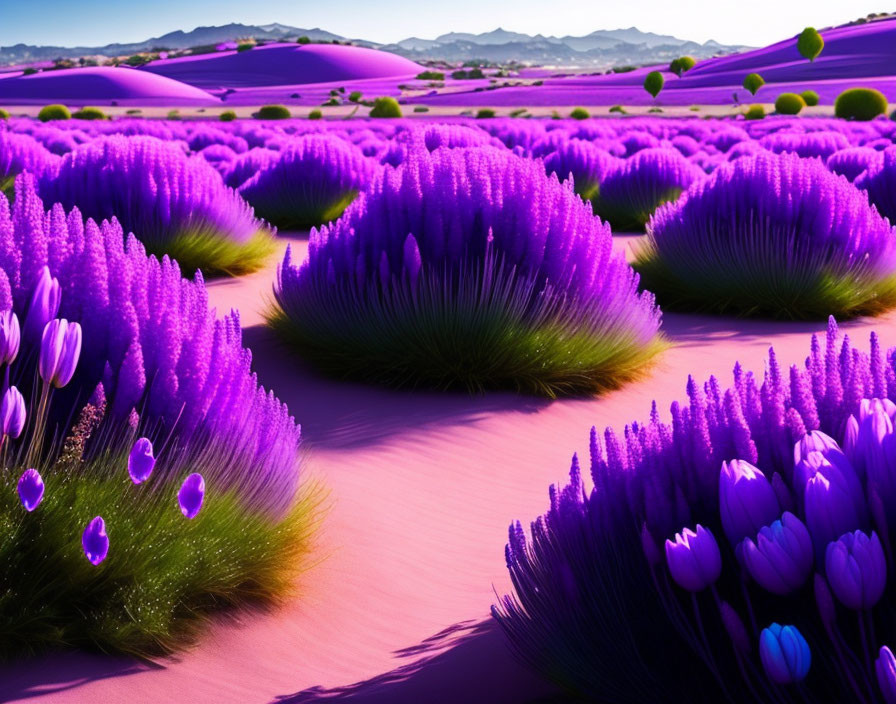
x: 95, y: 541
x: 141, y: 461
x: 60, y: 350
x: 191, y: 495
x: 10, y: 337
x: 694, y: 559
x: 12, y: 413
x: 856, y: 569
x: 44, y: 305
x: 31, y: 489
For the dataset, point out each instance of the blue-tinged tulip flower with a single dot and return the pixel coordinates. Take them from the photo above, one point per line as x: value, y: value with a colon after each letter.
x: 784, y: 653
x: 191, y: 495
x: 31, y: 489
x: 12, y: 413
x: 885, y: 667
x: 43, y: 307
x: 747, y: 500
x: 95, y: 541
x: 856, y: 569
x: 694, y: 559
x: 781, y: 557
x: 10, y: 337
x: 60, y: 349
x: 140, y: 461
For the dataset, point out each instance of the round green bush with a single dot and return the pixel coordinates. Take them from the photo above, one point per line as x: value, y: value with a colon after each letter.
x: 579, y: 114
x: 4, y: 115
x: 485, y: 113
x: 789, y: 104
x: 754, y: 112
x: 89, y: 114
x: 653, y: 83
x: 421, y: 108
x: 273, y: 112
x: 682, y: 65
x: 753, y: 82
x: 303, y: 40
x: 860, y: 104
x: 227, y: 116
x: 810, y: 43
x: 54, y: 112
x: 810, y: 97
x: 618, y: 108
x: 315, y: 115
x: 385, y: 107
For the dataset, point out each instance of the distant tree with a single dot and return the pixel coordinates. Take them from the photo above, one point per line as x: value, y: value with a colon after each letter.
x: 653, y: 83
x: 810, y: 43
x: 682, y: 65
x: 385, y: 107
x: 303, y: 40
x: 753, y: 82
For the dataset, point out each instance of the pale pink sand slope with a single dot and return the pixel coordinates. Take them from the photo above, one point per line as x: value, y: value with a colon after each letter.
x: 422, y: 487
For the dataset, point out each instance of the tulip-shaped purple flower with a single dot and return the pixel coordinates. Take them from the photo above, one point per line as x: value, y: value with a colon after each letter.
x: 95, y: 541
x: 781, y: 557
x: 856, y: 569
x: 10, y: 337
x: 43, y: 307
x: 784, y: 653
x: 12, y: 413
x: 60, y: 350
x: 885, y: 667
x: 875, y: 448
x: 31, y: 489
x: 141, y: 461
x: 694, y: 559
x: 191, y: 495
x: 747, y: 500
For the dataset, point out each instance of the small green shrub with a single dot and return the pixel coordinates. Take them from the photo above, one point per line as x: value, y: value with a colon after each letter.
x: 355, y: 96
x: 860, y: 104
x: 273, y: 112
x: 753, y: 82
x: 4, y: 114
x: 303, y: 40
x: 682, y: 65
x: 618, y: 108
x: 485, y: 113
x: 245, y: 47
x: 810, y: 97
x: 789, y: 104
x: 810, y: 43
x: 54, y: 112
x: 655, y: 110
x: 30, y: 71
x: 89, y: 114
x: 579, y: 114
x: 754, y: 112
x: 694, y: 108
x: 173, y: 115
x: 227, y: 116
x: 517, y: 112
x: 421, y: 108
x: 653, y: 83
x: 133, y: 111
x: 315, y: 115
x: 431, y: 76
x: 385, y: 107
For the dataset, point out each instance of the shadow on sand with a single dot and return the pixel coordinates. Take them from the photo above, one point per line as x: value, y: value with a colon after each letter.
x: 344, y: 414
x: 466, y: 663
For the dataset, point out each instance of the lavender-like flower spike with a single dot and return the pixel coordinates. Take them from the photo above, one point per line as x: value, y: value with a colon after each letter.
x: 784, y: 653
x: 31, y: 489
x: 191, y: 495
x: 95, y: 541
x: 60, y: 350
x: 141, y: 461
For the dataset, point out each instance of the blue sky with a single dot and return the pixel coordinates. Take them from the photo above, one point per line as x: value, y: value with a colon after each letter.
x: 97, y: 22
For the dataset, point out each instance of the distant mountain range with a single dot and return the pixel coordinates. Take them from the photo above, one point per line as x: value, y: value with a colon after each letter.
x: 600, y: 49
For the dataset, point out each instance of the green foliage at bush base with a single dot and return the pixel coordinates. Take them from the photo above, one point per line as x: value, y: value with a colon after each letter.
x: 54, y: 112
x: 215, y: 255
x: 164, y: 576
x: 273, y: 112
x: 860, y: 104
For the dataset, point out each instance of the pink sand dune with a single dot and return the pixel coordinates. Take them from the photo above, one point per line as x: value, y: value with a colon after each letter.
x: 100, y: 85
x: 422, y: 487
x: 283, y: 64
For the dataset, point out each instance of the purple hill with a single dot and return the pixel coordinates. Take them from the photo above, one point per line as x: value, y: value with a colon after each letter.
x: 100, y: 85
x: 284, y: 64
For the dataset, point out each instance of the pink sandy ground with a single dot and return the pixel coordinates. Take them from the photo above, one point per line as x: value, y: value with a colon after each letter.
x: 421, y: 489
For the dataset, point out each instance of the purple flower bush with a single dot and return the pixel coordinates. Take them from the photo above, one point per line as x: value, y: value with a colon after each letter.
x: 127, y: 407
x: 852, y: 161
x: 311, y: 182
x: 586, y: 164
x: 629, y: 194
x: 879, y: 181
x: 173, y: 203
x: 21, y: 152
x: 468, y: 267
x: 771, y: 235
x: 773, y: 499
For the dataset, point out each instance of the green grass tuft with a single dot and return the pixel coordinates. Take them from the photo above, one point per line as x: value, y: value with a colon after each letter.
x: 164, y: 577
x: 215, y: 255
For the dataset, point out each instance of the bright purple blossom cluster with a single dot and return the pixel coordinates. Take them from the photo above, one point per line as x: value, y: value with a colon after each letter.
x: 774, y: 501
